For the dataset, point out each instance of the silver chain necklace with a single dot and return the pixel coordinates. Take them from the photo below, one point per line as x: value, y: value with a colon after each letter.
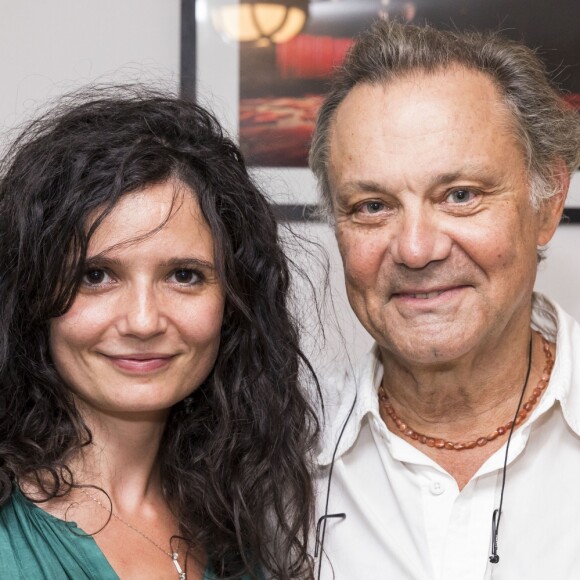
x: 173, y: 555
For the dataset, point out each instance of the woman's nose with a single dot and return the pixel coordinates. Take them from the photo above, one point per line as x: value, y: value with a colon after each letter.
x: 141, y: 312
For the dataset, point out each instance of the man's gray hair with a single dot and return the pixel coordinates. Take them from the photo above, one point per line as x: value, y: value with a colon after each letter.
x: 545, y: 125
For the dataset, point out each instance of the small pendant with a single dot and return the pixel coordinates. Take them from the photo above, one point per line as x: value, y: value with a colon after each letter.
x: 180, y: 571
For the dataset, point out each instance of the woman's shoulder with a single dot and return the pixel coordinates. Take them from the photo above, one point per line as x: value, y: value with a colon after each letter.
x: 34, y: 544
x: 7, y: 555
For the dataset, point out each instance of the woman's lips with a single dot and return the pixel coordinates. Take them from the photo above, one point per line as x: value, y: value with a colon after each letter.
x: 141, y: 364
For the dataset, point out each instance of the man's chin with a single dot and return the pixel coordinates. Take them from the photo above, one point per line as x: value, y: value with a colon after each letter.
x: 432, y: 344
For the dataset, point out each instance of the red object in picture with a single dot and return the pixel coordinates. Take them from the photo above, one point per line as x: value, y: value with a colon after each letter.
x: 282, y: 85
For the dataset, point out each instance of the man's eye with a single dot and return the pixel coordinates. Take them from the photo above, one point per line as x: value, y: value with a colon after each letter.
x: 95, y: 277
x: 460, y: 196
x: 186, y: 276
x: 371, y: 207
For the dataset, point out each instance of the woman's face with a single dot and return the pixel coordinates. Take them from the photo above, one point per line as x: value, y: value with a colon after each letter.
x: 144, y: 329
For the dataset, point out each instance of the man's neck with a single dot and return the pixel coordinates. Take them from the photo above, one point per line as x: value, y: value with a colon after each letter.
x: 464, y: 401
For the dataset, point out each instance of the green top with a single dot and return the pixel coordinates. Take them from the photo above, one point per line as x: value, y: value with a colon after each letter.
x: 36, y: 545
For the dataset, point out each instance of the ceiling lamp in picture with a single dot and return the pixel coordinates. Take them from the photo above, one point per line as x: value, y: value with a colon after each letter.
x: 261, y: 22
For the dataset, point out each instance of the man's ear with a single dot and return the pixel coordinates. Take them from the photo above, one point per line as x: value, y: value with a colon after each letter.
x: 551, y: 209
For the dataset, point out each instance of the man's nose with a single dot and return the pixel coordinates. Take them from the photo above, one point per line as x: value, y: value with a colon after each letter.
x: 141, y: 312
x: 419, y: 238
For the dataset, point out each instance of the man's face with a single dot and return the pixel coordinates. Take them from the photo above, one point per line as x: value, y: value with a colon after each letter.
x: 433, y: 217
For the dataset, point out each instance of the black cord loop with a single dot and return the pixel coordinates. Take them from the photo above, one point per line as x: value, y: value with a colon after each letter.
x: 494, y: 557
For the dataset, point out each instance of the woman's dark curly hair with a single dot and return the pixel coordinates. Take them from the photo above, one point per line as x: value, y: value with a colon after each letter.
x: 234, y: 456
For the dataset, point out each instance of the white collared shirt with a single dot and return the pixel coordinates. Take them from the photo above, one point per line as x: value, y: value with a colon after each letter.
x: 405, y: 516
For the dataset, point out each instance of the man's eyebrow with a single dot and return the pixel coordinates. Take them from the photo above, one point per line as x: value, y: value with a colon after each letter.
x: 471, y: 173
x: 103, y: 261
x: 365, y: 186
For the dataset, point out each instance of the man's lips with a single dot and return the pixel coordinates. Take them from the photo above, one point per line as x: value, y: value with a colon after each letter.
x: 422, y: 295
x: 425, y: 293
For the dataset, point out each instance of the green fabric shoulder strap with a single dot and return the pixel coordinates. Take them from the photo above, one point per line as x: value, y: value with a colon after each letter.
x: 34, y: 544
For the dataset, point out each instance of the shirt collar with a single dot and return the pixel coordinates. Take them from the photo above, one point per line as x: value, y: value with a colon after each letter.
x: 350, y: 398
x: 565, y: 378
x: 347, y: 400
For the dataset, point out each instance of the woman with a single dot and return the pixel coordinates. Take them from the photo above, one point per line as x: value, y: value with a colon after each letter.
x: 152, y: 424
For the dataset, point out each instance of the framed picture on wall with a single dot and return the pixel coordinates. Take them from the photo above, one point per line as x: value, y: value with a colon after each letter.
x: 267, y: 88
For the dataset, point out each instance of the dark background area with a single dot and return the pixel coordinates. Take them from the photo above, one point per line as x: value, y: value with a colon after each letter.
x: 551, y: 27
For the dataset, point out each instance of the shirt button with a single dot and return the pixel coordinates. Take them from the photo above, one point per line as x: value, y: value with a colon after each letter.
x: 437, y: 488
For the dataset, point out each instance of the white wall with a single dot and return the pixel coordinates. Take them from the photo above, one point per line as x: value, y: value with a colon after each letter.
x: 48, y: 47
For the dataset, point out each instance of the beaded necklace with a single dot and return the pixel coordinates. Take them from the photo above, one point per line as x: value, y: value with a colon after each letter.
x: 439, y: 443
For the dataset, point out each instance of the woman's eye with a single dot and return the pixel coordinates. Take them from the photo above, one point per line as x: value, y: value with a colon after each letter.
x: 186, y: 276
x: 460, y: 196
x: 95, y: 277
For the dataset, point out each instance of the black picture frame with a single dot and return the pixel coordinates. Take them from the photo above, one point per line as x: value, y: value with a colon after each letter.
x: 293, y: 212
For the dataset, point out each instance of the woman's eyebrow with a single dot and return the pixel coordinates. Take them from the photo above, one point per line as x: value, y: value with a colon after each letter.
x: 104, y: 261
x: 189, y: 262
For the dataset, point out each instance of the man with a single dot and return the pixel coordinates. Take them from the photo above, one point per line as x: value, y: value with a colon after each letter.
x: 444, y: 159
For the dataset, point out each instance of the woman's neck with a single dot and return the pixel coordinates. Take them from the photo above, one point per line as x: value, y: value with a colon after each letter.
x: 122, y: 457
